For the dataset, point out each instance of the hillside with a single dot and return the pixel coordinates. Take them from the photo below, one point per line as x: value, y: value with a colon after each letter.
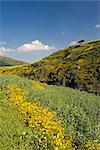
x: 75, y: 67
x: 40, y: 117
x: 6, y: 61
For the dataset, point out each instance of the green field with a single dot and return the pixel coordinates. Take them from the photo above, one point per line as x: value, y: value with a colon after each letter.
x: 73, y: 113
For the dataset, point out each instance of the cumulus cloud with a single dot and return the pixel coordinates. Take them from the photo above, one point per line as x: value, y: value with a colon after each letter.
x: 4, y: 50
x: 72, y: 43
x: 34, y: 45
x: 29, y: 47
x: 97, y: 26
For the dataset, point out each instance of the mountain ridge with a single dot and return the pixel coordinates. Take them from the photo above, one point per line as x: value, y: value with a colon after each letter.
x: 75, y: 67
x: 7, y: 61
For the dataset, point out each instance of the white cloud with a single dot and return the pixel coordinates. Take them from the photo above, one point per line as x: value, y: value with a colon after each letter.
x: 97, y: 26
x: 34, y: 45
x: 4, y: 50
x: 72, y: 43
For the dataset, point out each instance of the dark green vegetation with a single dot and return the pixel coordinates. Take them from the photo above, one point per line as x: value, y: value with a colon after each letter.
x: 78, y: 111
x: 75, y: 67
x: 5, y: 61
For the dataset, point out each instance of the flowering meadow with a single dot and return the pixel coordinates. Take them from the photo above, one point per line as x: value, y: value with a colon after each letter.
x: 35, y: 116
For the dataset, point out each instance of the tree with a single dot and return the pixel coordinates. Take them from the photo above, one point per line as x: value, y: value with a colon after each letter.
x: 81, y: 41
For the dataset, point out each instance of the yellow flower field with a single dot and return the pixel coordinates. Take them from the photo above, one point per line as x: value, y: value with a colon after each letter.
x: 40, y: 119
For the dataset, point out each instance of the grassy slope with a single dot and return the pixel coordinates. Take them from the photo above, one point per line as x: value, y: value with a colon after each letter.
x: 6, y: 61
x: 78, y: 111
x: 76, y: 67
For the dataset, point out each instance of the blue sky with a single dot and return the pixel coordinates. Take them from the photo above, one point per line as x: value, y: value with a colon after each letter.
x: 50, y: 25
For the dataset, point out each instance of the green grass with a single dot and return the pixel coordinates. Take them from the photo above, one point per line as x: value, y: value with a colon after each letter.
x: 78, y: 112
x: 11, y: 127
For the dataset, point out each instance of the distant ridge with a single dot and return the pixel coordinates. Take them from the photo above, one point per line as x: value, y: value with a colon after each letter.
x: 6, y: 61
x: 75, y: 67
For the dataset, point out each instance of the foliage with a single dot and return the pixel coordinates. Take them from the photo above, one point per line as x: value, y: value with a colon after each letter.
x: 93, y: 145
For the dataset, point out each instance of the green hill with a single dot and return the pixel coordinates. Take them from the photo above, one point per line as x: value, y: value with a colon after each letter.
x: 75, y: 67
x: 6, y: 61
x: 40, y: 117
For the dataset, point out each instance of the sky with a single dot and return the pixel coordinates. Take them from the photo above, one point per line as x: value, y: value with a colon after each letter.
x: 31, y: 30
